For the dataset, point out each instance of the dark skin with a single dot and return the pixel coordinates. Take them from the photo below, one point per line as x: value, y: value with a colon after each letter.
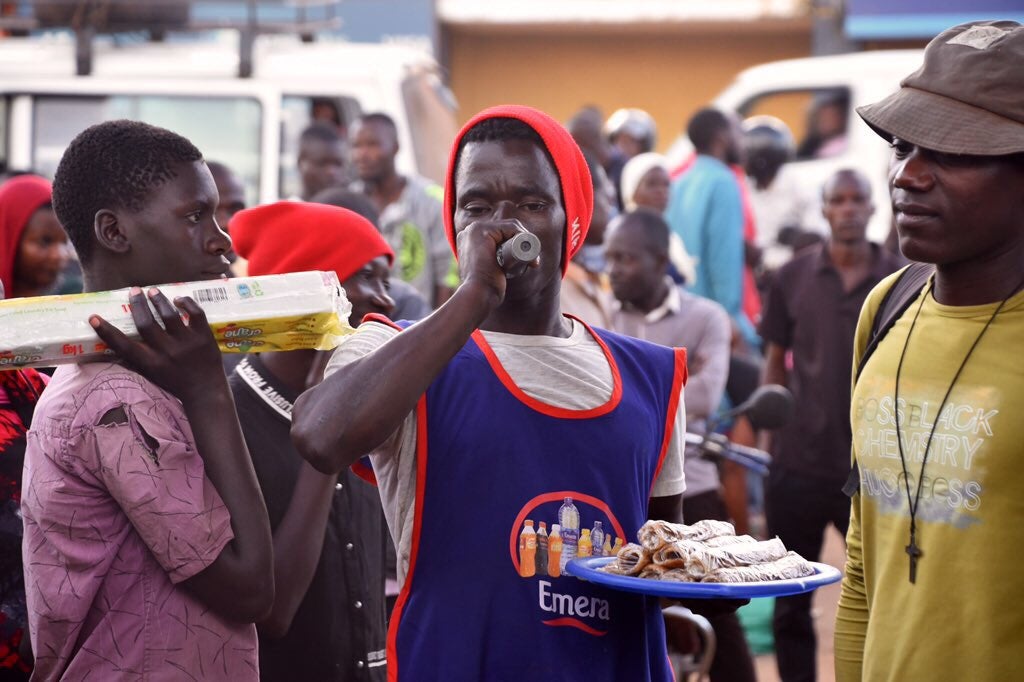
x: 299, y: 538
x: 321, y: 165
x: 374, y: 148
x: 653, y: 190
x: 846, y: 204
x: 636, y: 269
x: 176, y: 238
x: 42, y: 254
x: 963, y: 213
x: 502, y: 188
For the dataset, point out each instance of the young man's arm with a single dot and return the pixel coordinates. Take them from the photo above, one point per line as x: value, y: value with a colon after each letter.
x: 359, y: 406
x: 185, y: 361
x: 298, y: 543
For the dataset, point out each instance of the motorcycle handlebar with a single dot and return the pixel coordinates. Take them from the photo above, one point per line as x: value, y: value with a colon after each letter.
x: 717, y: 446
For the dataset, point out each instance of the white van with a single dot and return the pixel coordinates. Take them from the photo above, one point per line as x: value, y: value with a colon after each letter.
x: 789, y: 90
x: 250, y: 124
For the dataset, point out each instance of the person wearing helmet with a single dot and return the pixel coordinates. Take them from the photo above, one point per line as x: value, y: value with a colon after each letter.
x: 630, y: 132
x: 783, y: 208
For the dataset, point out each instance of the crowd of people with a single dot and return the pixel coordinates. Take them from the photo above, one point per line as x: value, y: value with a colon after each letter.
x: 173, y: 513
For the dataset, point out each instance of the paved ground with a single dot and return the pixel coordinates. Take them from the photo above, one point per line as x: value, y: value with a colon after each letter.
x: 825, y: 600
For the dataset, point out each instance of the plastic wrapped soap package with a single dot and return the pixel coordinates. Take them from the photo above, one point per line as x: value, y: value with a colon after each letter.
x: 303, y: 310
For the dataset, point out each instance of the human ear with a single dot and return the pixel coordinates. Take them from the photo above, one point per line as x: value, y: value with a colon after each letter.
x: 110, y: 232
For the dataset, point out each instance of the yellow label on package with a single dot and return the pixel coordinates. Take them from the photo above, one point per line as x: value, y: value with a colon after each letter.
x: 302, y: 310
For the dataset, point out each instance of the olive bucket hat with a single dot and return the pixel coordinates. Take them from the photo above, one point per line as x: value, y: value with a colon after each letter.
x: 967, y: 97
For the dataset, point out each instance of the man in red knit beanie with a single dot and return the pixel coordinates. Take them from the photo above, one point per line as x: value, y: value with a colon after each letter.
x: 328, y: 619
x: 497, y: 417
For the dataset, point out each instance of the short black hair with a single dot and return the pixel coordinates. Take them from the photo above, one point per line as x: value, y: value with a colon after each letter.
x: 845, y: 174
x: 319, y: 132
x: 505, y: 129
x: 116, y: 164
x: 704, y: 126
x: 381, y: 118
x: 342, y: 197
x: 653, y: 226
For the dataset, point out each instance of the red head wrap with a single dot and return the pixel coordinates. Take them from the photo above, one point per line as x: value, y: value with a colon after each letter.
x: 20, y: 197
x: 577, y: 190
x: 292, y: 236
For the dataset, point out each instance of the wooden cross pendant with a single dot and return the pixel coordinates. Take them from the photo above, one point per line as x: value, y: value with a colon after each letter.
x: 914, y: 552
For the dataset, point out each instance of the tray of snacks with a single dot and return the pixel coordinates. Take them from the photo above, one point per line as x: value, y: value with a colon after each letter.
x: 706, y: 560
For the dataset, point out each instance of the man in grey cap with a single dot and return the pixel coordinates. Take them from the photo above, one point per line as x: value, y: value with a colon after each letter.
x: 933, y: 587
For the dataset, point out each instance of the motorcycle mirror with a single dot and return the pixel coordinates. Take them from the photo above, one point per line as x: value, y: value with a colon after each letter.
x: 768, y: 407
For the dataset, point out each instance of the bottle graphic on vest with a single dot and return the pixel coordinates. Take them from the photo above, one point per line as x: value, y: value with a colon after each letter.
x: 617, y: 547
x: 597, y: 538
x: 527, y: 550
x: 606, y: 550
x: 542, y: 549
x: 554, y: 568
x: 586, y: 546
x: 569, y: 520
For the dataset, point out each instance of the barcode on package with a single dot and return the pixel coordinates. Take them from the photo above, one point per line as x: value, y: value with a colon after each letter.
x: 215, y: 295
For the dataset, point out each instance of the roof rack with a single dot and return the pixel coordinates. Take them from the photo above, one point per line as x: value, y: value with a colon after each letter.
x: 89, y: 18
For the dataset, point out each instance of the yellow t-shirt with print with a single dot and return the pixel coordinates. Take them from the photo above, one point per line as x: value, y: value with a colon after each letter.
x: 963, y: 619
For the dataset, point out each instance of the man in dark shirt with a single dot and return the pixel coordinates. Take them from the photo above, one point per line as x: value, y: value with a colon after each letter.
x: 328, y: 621
x: 810, y: 316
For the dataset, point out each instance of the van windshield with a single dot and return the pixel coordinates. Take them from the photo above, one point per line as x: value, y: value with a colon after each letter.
x: 225, y: 129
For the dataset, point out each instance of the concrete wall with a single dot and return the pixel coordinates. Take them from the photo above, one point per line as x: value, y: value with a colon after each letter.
x: 669, y: 71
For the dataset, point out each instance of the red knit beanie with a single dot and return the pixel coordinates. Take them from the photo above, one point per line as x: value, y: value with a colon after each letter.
x: 293, y: 236
x: 577, y: 190
x: 20, y: 197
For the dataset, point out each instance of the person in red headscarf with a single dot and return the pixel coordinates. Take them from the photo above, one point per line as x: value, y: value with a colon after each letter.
x: 328, y: 618
x: 34, y: 245
x: 484, y: 417
x: 19, y: 393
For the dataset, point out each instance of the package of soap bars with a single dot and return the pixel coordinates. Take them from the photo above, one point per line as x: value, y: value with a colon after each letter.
x: 303, y: 310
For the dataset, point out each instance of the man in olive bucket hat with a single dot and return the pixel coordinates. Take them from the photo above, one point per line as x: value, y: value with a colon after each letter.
x: 933, y: 588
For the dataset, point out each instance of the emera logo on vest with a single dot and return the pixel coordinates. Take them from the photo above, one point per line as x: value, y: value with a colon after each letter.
x: 566, y: 605
x: 542, y: 556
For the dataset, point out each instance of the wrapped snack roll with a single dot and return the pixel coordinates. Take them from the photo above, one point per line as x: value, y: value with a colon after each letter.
x: 704, y: 560
x: 723, y: 540
x: 707, y: 529
x: 654, y: 534
x: 630, y: 560
x: 790, y: 566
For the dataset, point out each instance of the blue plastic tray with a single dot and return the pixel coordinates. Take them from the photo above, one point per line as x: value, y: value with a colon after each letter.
x: 586, y: 569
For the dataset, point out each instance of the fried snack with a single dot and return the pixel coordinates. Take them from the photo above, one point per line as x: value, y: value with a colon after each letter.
x: 790, y: 566
x: 630, y: 560
x: 723, y: 540
x: 707, y: 529
x: 654, y: 534
x: 703, y: 560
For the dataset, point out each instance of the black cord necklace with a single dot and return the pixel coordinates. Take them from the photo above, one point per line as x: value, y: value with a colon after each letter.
x: 912, y: 550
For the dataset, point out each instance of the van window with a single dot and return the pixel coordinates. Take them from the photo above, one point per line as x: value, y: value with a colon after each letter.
x: 431, y: 108
x: 298, y: 112
x: 817, y: 118
x: 225, y: 129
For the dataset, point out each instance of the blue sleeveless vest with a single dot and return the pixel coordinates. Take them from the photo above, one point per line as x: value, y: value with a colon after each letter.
x: 488, y: 458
